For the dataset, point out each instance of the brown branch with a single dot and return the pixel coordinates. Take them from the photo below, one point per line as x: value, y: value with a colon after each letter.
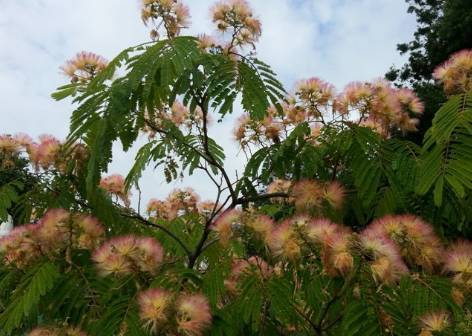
x: 244, y: 200
x: 160, y: 227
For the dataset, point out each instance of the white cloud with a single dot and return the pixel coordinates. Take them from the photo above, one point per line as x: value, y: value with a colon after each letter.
x: 338, y: 40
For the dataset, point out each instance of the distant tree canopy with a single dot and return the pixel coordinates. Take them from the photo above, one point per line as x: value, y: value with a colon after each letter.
x: 444, y: 27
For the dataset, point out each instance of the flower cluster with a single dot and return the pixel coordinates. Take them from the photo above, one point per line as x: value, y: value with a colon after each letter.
x: 335, y: 243
x: 434, y: 322
x: 279, y: 186
x: 179, y: 202
x: 56, y: 331
x: 191, y: 311
x: 314, y: 95
x: 308, y: 195
x: 249, y: 131
x: 127, y: 254
x: 380, y: 105
x: 383, y: 256
x: 171, y: 15
x: 13, y: 144
x: 416, y: 239
x: 284, y: 240
x: 243, y: 267
x: 45, y: 154
x: 387, y: 245
x: 115, y: 185
x: 377, y: 104
x: 456, y: 73
x: 459, y: 263
x: 225, y: 224
x: 235, y: 18
x: 84, y: 66
x: 178, y: 114
x: 54, y: 232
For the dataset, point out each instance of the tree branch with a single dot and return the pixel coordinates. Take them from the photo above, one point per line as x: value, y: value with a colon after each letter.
x: 160, y: 227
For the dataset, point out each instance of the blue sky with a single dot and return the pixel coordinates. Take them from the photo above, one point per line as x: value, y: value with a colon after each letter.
x: 336, y: 40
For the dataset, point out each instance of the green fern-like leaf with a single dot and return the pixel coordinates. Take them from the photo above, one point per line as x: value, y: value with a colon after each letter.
x: 26, y: 297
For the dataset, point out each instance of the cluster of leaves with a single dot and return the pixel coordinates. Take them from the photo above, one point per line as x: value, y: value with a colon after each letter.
x: 380, y: 175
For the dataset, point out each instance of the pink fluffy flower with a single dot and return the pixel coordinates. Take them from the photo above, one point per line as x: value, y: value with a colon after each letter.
x: 84, y: 66
x: 384, y: 257
x: 224, y: 225
x: 279, y: 186
x: 115, y: 184
x: 193, y: 314
x: 315, y: 94
x: 307, y: 194
x: 262, y: 225
x: 20, y: 247
x: 154, y: 307
x: 458, y: 262
x: 436, y: 321
x: 125, y: 254
x: 56, y: 331
x: 89, y: 231
x: 456, y: 73
x: 170, y: 15
x: 334, y: 194
x: 161, y: 209
x: 45, y: 153
x: 415, y: 238
x: 183, y: 200
x: 285, y: 241
x: 236, y: 16
x: 9, y: 144
x: 321, y: 231
x: 255, y: 265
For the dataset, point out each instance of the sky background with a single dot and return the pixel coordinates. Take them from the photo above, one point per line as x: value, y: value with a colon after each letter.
x: 336, y: 40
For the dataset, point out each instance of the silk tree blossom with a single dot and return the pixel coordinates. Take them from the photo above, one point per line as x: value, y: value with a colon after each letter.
x: 47, y: 153
x: 170, y: 15
x: 335, y: 245
x: 279, y: 186
x: 158, y: 209
x: 207, y: 42
x: 155, y: 306
x: 285, y: 241
x: 224, y: 224
x: 84, y: 66
x: 185, y: 200
x: 434, y: 322
x: 456, y: 73
x: 178, y: 114
x: 128, y: 254
x: 235, y: 18
x: 416, y: 239
x: 115, y: 185
x: 334, y: 194
x: 56, y: 331
x: 9, y: 144
x: 206, y: 208
x: 241, y: 268
x: 315, y: 95
x: 262, y: 225
x: 458, y: 262
x: 53, y: 234
x: 307, y: 194
x: 193, y: 314
x: 21, y: 246
x: 383, y: 256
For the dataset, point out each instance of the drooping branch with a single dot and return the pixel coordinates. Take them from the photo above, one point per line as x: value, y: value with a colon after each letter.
x: 160, y: 227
